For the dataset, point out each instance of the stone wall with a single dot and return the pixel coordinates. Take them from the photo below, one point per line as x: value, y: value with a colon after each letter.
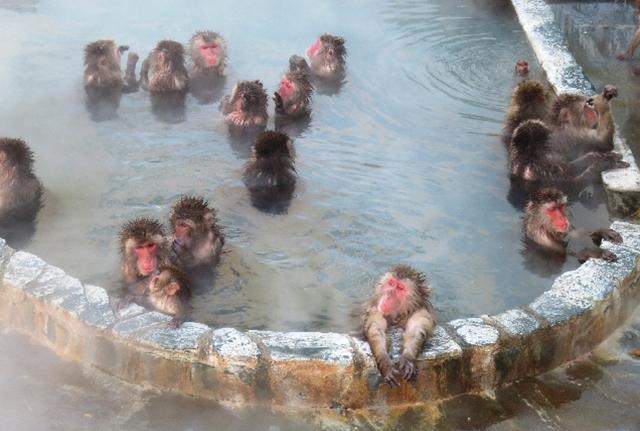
x: 313, y: 369
x: 336, y: 371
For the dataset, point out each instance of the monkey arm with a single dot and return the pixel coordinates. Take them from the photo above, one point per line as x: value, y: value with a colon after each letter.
x: 594, y: 252
x: 607, y: 234
x: 144, y: 74
x: 418, y: 327
x: 376, y: 333
x: 635, y: 42
x: 131, y: 84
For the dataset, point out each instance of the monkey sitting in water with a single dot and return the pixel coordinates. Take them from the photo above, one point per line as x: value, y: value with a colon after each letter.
x: 270, y: 174
x: 401, y: 298
x: 246, y: 106
x: 20, y: 189
x: 294, y: 92
x: 546, y: 225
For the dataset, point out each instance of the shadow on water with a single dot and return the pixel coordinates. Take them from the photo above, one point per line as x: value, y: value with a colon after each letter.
x: 103, y: 103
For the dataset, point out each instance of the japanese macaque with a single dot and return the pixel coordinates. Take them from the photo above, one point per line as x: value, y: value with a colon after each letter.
x: 401, y: 299
x: 327, y: 56
x: 143, y: 249
x: 270, y: 174
x: 298, y: 64
x: 293, y: 95
x: 578, y: 127
x: 196, y: 238
x: 208, y: 54
x: 164, y: 69
x: 246, y: 106
x: 169, y: 293
x: 531, y: 158
x: 102, y: 72
x: 546, y: 224
x: 20, y: 189
x: 530, y: 100
x: 521, y: 68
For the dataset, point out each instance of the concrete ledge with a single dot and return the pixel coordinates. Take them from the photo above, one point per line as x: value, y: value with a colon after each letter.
x: 313, y: 369
x: 547, y: 40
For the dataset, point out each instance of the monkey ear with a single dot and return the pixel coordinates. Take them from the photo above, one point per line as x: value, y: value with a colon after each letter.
x: 565, y: 116
x: 172, y: 288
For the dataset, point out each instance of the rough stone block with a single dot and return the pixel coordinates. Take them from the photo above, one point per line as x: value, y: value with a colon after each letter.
x: 5, y: 252
x: 516, y: 322
x: 126, y: 328
x: 556, y: 307
x: 233, y: 344
x: 475, y: 332
x: 98, y: 311
x: 630, y: 234
x: 129, y: 311
x: 329, y: 347
x: 23, y: 268
x: 182, y: 338
x: 55, y: 287
x: 440, y: 346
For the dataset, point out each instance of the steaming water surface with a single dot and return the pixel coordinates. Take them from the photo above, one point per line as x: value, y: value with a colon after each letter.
x: 402, y: 164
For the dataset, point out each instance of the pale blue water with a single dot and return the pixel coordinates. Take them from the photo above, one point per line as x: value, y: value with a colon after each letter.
x: 402, y: 164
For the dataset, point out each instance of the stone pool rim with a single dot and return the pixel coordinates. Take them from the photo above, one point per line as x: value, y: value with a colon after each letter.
x: 332, y: 370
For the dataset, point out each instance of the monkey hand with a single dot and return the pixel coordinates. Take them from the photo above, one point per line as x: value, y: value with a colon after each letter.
x: 123, y: 48
x: 609, y: 235
x: 609, y: 92
x: 608, y: 256
x: 277, y: 99
x: 390, y: 377
x: 408, y: 368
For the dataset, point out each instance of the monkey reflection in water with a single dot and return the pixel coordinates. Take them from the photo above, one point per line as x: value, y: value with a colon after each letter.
x: 270, y: 174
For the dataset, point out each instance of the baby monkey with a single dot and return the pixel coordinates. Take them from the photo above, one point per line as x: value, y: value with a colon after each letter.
x: 401, y: 298
x: 546, y: 224
x: 169, y: 293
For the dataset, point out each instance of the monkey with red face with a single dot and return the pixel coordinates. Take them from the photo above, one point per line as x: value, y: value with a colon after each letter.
x: 143, y: 249
x: 521, y: 68
x: 327, y: 57
x: 401, y: 298
x: 546, y: 225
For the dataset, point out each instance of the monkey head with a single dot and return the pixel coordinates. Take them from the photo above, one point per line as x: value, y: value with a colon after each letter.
x: 548, y: 207
x: 299, y: 64
x: 103, y: 53
x: 530, y: 139
x: 169, y: 54
x: 208, y: 50
x: 249, y: 96
x: 142, y: 245
x: 400, y: 289
x: 609, y: 91
x: 191, y: 218
x: 522, y: 68
x: 272, y: 145
x: 15, y: 155
x: 170, y: 281
x: 327, y: 53
x: 575, y: 110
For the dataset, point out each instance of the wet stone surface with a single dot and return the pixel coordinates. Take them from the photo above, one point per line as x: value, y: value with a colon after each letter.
x: 138, y: 323
x: 474, y: 331
x: 98, y: 311
x: 5, y: 252
x: 440, y: 345
x: 517, y: 322
x: 630, y: 234
x: 231, y: 343
x: 328, y: 347
x: 23, y: 268
x: 185, y: 337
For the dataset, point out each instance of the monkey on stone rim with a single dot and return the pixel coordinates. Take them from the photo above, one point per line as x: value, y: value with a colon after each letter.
x: 546, y: 224
x: 401, y: 298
